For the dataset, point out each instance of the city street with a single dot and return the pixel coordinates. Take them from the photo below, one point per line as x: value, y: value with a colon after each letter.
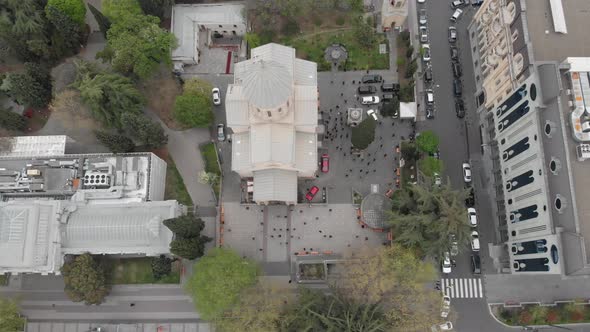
x: 459, y: 142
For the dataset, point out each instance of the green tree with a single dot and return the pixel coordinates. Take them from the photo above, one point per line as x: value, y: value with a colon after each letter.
x: 193, y: 110
x: 85, y: 280
x: 10, y: 318
x: 252, y: 39
x: 189, y: 248
x: 161, y: 266
x: 406, y: 93
x: 364, y: 32
x: 136, y: 44
x: 258, y: 309
x: 156, y: 7
x: 115, y: 142
x: 430, y: 165
x: 66, y: 35
x: 117, y: 10
x: 12, y: 121
x: 427, y: 141
x: 409, y: 151
x: 74, y: 9
x: 390, y: 108
x: 364, y: 133
x: 186, y: 226
x: 109, y: 96
x: 147, y: 132
x: 223, y: 274
x: 31, y: 87
x: 22, y: 26
x: 104, y: 24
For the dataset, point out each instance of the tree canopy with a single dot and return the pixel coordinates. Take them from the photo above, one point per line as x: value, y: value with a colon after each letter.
x: 156, y: 7
x: 145, y: 131
x: 115, y: 142
x: 85, y: 280
x: 193, y: 110
x: 10, y: 318
x: 135, y: 42
x: 74, y: 9
x: 430, y: 165
x: 363, y: 134
x: 425, y: 216
x: 223, y: 274
x: 32, y: 87
x: 188, y: 242
x: 185, y: 226
x: 427, y: 141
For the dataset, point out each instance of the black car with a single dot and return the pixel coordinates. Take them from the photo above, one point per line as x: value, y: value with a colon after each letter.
x: 475, y: 264
x: 428, y: 74
x: 456, y: 69
x: 470, y: 200
x: 366, y: 89
x: 454, y: 53
x: 457, y: 87
x: 460, y: 108
x: 372, y: 79
x: 389, y: 87
x: 387, y: 97
x: 429, y: 113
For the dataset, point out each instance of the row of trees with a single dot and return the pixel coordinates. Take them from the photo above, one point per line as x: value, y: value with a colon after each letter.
x: 188, y: 241
x: 378, y: 289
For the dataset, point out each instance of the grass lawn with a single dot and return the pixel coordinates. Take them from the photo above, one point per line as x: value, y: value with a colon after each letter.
x: 311, y: 47
x: 175, y: 188
x: 211, y: 166
x: 3, y: 280
x: 139, y: 271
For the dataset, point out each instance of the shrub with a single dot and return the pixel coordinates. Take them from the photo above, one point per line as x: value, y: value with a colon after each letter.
x: 400, y: 62
x: 290, y: 28
x: 161, y: 266
x: 552, y: 316
x: 12, y: 121
x: 340, y: 20
x: 525, y: 317
x: 409, y: 52
x: 193, y: 110
x: 115, y: 142
x: 317, y: 21
x: 31, y: 87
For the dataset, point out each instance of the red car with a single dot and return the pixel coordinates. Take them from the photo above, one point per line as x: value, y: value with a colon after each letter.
x: 325, y: 163
x: 311, y: 193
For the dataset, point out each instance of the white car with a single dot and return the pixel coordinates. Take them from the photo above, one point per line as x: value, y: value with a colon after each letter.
x: 429, y: 97
x: 447, y: 326
x: 370, y: 100
x: 422, y: 17
x: 221, y: 132
x: 446, y: 264
x: 475, y: 241
x: 466, y: 172
x: 426, y: 52
x: 423, y: 35
x: 421, y: 1
x: 373, y: 114
x: 446, y: 306
x: 472, y: 217
x: 456, y: 15
x: 216, y: 96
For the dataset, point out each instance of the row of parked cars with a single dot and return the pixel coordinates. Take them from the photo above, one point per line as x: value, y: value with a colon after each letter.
x: 369, y: 95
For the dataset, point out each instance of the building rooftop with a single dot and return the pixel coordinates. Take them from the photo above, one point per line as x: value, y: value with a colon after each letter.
x: 549, y: 45
x: 37, y: 146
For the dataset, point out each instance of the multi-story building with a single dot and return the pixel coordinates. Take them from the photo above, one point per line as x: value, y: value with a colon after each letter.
x: 57, y: 204
x: 532, y: 81
x: 272, y: 108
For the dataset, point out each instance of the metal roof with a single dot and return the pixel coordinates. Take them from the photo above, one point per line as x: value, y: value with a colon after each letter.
x: 272, y: 143
x: 275, y: 185
x: 558, y: 16
x: 306, y: 106
x: 267, y: 84
x: 240, y: 158
x: 306, y: 153
x: 306, y: 72
x: 34, y: 146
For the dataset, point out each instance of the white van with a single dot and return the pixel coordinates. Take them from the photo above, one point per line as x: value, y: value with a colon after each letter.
x: 370, y: 100
x: 456, y: 15
x: 429, y: 97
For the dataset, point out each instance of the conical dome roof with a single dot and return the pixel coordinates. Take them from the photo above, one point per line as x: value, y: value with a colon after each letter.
x: 267, y: 84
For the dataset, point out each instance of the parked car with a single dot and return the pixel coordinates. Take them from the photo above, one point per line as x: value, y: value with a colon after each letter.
x: 422, y: 17
x: 421, y: 1
x: 472, y: 217
x: 458, y: 4
x: 446, y: 263
x: 467, y: 172
x: 373, y: 113
x: 426, y: 52
x: 456, y: 69
x: 311, y: 193
x: 470, y: 200
x: 423, y: 34
x: 429, y: 96
x: 446, y: 326
x: 216, y: 96
x: 370, y: 100
x: 475, y: 264
x: 452, y: 34
x: 454, y: 245
x: 459, y: 108
x: 390, y: 87
x: 372, y: 79
x: 457, y: 87
x: 446, y: 306
x: 456, y: 15
x: 221, y: 132
x: 429, y: 112
x: 325, y: 163
x: 474, y: 241
x: 454, y: 53
x: 428, y: 74
x: 476, y: 3
x: 387, y: 97
x: 366, y: 89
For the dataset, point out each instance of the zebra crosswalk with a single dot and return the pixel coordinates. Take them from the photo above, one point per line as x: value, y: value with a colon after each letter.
x: 462, y: 288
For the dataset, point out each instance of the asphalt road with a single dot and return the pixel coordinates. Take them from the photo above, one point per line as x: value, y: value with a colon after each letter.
x: 459, y: 142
